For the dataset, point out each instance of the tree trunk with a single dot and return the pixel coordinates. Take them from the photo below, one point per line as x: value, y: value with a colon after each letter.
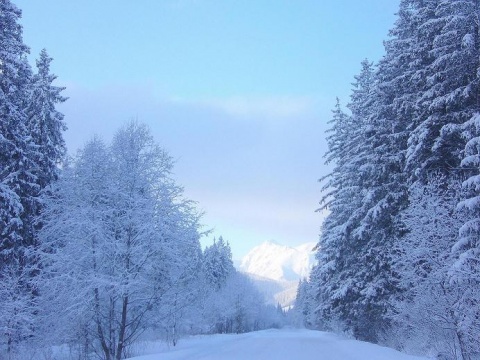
x: 123, y: 326
x: 100, y: 334
x: 461, y: 343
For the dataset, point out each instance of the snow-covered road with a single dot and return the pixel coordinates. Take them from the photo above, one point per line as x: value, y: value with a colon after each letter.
x: 291, y: 344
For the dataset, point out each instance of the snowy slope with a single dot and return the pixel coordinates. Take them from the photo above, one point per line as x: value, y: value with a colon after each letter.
x: 276, y: 269
x: 277, y: 262
x: 272, y: 344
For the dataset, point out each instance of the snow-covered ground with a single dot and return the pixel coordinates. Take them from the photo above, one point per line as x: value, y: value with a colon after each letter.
x: 281, y: 344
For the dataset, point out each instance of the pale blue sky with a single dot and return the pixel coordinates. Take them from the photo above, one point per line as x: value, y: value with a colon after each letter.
x: 239, y: 92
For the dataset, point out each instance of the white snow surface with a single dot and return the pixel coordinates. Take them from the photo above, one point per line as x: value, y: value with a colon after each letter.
x: 298, y: 344
x: 277, y: 262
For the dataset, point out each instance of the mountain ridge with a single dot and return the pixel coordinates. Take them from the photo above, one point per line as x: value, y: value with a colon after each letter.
x: 276, y: 269
x: 279, y: 262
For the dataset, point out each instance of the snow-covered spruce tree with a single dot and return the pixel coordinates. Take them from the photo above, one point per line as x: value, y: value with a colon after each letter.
x: 357, y: 280
x: 14, y: 77
x: 20, y: 180
x: 353, y: 279
x: 16, y: 166
x: 45, y: 126
x: 110, y: 228
x: 450, y: 94
x: 218, y: 264
x: 17, y: 182
x: 427, y: 312
x: 419, y: 119
x: 337, y: 201
x: 338, y: 267
x: 217, y: 268
x: 465, y: 270
x: 442, y: 76
x: 388, y: 109
x: 447, y: 141
x: 45, y: 122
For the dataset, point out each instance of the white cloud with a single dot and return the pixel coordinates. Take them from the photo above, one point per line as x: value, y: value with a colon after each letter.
x: 260, y: 107
x: 252, y: 163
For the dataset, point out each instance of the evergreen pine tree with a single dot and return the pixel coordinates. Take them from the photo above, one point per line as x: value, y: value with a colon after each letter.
x: 448, y: 96
x: 45, y: 122
x: 218, y: 264
x: 16, y: 165
x: 426, y: 313
x: 389, y: 110
x: 18, y: 182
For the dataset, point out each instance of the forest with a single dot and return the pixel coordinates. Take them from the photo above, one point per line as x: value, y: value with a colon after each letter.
x: 399, y: 254
x: 102, y: 248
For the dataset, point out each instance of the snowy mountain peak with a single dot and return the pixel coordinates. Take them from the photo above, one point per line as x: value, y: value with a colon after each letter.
x: 279, y: 262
